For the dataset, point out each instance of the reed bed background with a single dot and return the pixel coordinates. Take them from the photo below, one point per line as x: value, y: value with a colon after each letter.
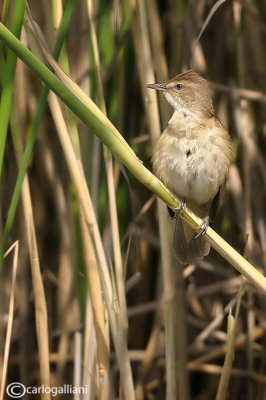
x: 91, y: 295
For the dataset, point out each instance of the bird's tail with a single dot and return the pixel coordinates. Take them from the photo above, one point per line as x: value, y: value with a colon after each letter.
x: 187, y: 249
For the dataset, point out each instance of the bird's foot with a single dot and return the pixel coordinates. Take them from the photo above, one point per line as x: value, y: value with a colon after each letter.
x: 174, y: 212
x: 202, y: 228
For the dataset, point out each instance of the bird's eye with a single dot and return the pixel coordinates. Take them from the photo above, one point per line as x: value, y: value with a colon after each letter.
x: 179, y: 86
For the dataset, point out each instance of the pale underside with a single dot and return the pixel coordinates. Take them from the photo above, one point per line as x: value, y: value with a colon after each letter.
x: 191, y: 164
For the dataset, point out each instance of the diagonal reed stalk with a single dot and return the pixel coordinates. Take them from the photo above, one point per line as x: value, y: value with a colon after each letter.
x: 73, y: 268
x: 33, y: 132
x: 90, y: 114
x: 8, y: 79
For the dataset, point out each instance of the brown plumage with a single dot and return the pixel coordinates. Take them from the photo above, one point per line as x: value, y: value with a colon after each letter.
x: 192, y: 156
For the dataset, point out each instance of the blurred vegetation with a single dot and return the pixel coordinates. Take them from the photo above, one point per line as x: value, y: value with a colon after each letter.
x: 54, y: 340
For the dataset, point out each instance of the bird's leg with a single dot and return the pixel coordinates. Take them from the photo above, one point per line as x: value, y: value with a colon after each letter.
x: 203, y: 226
x: 174, y: 212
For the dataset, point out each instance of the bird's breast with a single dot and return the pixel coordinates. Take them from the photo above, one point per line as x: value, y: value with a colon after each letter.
x: 191, y: 164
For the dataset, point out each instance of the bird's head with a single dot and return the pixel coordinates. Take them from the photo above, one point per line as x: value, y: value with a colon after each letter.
x: 187, y: 93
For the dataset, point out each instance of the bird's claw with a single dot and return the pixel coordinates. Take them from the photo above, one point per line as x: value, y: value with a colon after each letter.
x: 202, y: 228
x: 174, y: 212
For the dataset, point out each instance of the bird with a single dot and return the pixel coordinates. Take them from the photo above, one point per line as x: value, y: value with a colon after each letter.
x: 191, y: 157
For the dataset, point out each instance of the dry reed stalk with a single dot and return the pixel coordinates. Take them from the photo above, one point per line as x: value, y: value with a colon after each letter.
x: 119, y: 274
x: 253, y: 37
x: 91, y: 266
x: 146, y: 74
x: 251, y: 324
x: 122, y: 321
x: 214, y: 324
x: 218, y: 286
x: 38, y: 290
x: 82, y: 191
x: 57, y: 11
x: 158, y: 54
x: 245, y: 127
x: 220, y: 351
x: 250, y: 42
x: 192, y: 22
x: 102, y: 380
x: 144, y: 308
x: 116, y: 321
x: 77, y: 375
x: 209, y: 17
x: 98, y: 308
x: 149, y: 355
x: 238, y: 195
x: 67, y: 307
x: 248, y: 94
x: 97, y: 145
x: 175, y: 340
x: 14, y: 248
x: 41, y: 315
x: 178, y: 45
x: 229, y: 357
x: 212, y: 369
x: 216, y: 370
x: 89, y: 354
x: 102, y: 348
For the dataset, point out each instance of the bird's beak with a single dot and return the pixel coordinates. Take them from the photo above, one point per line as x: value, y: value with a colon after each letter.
x: 157, y: 86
